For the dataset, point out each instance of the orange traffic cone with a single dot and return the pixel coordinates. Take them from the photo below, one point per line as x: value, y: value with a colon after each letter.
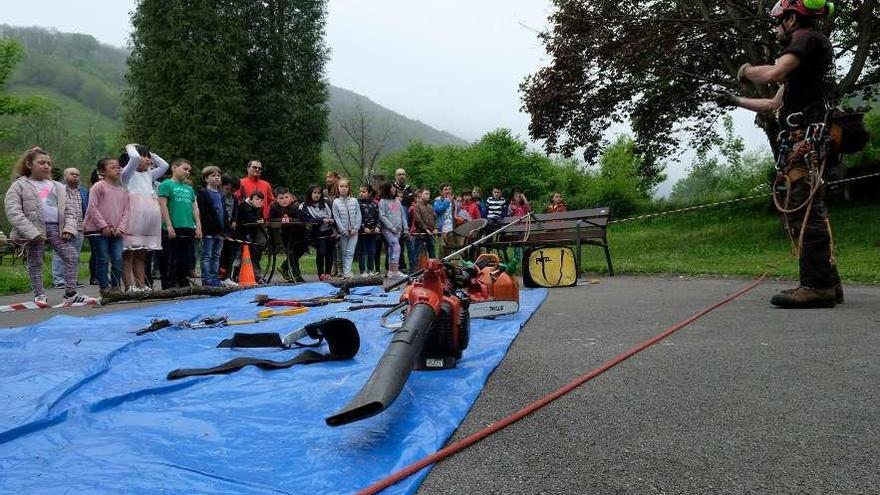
x: 246, y: 273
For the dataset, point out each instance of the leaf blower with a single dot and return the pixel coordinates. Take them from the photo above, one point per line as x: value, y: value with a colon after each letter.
x: 433, y: 336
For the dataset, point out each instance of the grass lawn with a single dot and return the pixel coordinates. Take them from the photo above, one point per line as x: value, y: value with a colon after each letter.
x: 736, y: 241
x: 729, y: 241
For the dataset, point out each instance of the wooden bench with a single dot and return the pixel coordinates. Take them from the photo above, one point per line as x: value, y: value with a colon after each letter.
x: 567, y: 228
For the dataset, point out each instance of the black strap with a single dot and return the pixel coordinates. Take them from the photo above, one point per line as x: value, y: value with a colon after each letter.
x: 341, y: 336
x: 306, y: 357
x: 252, y: 340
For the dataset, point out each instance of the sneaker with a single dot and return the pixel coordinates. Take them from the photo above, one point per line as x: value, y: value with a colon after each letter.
x: 77, y: 298
x: 59, y: 286
x: 41, y: 299
x: 804, y: 297
x: 228, y: 282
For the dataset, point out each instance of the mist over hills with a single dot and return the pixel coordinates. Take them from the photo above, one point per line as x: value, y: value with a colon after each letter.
x: 86, y: 80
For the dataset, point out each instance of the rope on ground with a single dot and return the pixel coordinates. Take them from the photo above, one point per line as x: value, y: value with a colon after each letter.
x: 547, y: 399
x: 730, y: 201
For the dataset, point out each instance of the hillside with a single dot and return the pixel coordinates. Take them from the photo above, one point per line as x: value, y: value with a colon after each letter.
x: 86, y: 79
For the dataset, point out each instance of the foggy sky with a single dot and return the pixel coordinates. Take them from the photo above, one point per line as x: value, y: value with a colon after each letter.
x: 454, y: 64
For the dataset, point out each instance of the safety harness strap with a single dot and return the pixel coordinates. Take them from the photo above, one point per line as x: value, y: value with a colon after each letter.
x: 341, y: 336
x: 306, y: 357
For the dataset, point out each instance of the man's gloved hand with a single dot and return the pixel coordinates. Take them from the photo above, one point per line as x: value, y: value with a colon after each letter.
x: 726, y: 99
x: 741, y: 73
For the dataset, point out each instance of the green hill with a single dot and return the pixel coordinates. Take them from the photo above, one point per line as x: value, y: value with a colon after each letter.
x: 86, y: 80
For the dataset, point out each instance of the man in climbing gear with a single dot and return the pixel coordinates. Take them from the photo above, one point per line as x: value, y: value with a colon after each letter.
x: 805, y: 96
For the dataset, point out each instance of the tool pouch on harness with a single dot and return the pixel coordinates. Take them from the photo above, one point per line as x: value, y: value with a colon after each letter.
x: 848, y: 131
x: 550, y: 267
x: 341, y: 336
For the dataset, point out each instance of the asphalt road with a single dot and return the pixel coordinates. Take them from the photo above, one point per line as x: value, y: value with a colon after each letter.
x: 748, y: 399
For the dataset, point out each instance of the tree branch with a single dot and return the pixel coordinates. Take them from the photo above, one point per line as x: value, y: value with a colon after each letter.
x: 866, y: 32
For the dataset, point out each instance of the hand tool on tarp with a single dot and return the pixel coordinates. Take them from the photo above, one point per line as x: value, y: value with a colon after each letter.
x: 216, y: 321
x: 159, y: 323
x: 269, y: 312
x: 341, y: 335
x: 265, y: 300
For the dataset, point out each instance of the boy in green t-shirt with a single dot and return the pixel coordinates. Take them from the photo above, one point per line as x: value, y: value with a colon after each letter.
x: 180, y: 223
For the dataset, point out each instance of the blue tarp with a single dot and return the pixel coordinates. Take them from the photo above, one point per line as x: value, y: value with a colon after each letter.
x: 86, y: 407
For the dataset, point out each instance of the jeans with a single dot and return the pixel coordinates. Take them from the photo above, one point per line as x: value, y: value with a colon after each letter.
x: 107, y: 251
x: 346, y: 246
x: 58, y: 263
x: 211, y: 249
x: 367, y: 255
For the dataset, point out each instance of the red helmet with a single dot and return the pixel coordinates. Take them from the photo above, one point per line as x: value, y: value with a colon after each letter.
x: 808, y: 8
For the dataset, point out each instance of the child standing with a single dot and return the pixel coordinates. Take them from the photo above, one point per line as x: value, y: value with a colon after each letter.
x: 106, y: 222
x: 212, y: 209
x: 180, y: 214
x: 423, y: 225
x: 470, y: 209
x: 347, y: 213
x: 444, y: 207
x: 369, y: 232
x: 393, y: 224
x: 250, y: 228
x: 230, y: 249
x: 290, y: 237
x: 144, y: 234
x: 496, y: 208
x: 36, y: 206
x: 314, y: 209
x: 519, y: 205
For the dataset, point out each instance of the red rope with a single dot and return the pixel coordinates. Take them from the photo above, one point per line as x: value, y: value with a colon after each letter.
x: 538, y: 404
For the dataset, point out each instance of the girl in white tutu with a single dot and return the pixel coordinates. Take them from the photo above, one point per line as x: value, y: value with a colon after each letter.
x: 141, y: 169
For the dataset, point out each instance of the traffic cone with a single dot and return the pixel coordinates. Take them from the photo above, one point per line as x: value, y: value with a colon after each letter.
x: 246, y: 272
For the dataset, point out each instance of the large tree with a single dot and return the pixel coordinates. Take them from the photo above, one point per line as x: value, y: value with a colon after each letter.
x: 184, y: 98
x: 284, y: 79
x: 226, y: 81
x: 659, y: 65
